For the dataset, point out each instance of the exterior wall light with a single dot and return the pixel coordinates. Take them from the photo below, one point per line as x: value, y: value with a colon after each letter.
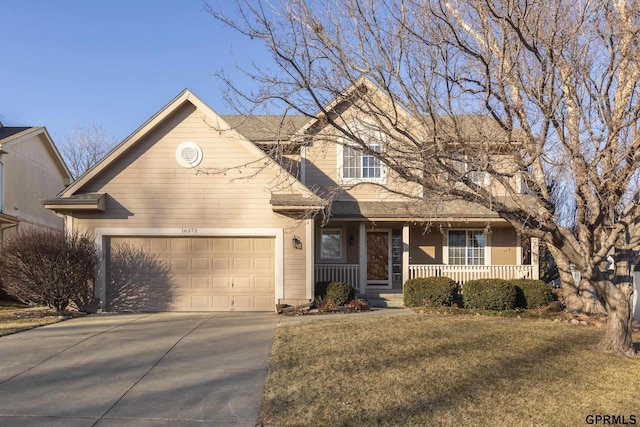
x: 296, y: 243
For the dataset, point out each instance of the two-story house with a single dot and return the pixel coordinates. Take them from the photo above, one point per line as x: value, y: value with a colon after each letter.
x: 219, y: 225
x: 31, y: 170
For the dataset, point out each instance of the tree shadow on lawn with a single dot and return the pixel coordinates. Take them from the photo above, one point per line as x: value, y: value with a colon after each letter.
x: 479, y: 380
x: 490, y: 376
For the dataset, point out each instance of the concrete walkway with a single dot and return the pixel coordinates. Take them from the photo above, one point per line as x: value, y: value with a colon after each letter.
x: 162, y: 369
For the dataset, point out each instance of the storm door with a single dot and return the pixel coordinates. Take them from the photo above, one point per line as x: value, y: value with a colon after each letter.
x: 378, y: 258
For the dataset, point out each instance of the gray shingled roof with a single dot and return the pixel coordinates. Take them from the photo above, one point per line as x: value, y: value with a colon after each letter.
x: 265, y: 128
x: 7, y: 131
x: 413, y: 210
x: 272, y: 128
x: 284, y: 201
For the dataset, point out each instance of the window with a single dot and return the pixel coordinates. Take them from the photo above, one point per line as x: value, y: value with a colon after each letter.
x: 464, y: 167
x: 467, y: 247
x: 331, y: 244
x: 358, y: 165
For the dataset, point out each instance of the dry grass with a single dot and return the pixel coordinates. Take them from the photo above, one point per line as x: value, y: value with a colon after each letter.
x: 16, y: 318
x: 444, y: 370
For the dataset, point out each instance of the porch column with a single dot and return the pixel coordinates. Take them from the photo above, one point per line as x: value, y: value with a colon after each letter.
x: 310, y: 258
x: 405, y: 253
x: 535, y: 257
x: 362, y: 257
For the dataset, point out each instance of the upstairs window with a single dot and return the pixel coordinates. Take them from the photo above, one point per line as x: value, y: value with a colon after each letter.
x: 467, y: 247
x: 465, y: 167
x: 358, y: 165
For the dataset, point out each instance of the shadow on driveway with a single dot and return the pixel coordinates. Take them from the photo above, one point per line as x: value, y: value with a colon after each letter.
x: 160, y: 369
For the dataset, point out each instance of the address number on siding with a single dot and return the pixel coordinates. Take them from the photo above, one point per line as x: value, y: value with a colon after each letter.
x: 189, y: 230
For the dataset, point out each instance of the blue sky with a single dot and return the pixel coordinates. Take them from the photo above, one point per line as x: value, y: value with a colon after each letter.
x: 114, y: 63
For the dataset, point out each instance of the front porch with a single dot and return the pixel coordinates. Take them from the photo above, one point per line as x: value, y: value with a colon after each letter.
x: 378, y: 258
x: 350, y: 273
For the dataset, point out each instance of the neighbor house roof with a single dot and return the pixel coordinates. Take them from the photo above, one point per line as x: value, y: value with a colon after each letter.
x: 7, y: 131
x: 10, y: 135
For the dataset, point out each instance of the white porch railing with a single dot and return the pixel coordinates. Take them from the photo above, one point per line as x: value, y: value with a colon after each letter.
x: 348, y: 273
x: 464, y: 273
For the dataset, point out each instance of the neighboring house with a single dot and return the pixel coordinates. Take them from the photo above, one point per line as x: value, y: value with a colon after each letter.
x: 31, y: 170
x: 221, y: 226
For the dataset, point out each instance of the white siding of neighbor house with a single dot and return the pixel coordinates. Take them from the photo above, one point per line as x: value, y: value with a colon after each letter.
x: 30, y: 174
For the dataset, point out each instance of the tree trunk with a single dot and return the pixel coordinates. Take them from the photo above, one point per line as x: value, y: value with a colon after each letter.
x: 589, y: 298
x: 618, y: 333
x: 570, y: 297
x: 617, y: 296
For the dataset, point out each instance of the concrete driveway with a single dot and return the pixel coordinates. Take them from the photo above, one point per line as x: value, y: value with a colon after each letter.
x: 161, y: 369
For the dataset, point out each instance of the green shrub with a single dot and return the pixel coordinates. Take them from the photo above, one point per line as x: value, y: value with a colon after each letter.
x: 532, y: 293
x: 321, y: 289
x: 340, y: 293
x: 429, y: 291
x: 489, y: 294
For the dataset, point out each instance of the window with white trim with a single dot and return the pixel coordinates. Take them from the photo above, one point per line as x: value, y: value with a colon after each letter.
x: 464, y: 167
x: 467, y: 247
x: 356, y: 164
x: 331, y: 243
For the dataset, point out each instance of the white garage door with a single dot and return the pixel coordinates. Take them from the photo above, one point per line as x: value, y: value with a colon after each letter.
x: 191, y: 274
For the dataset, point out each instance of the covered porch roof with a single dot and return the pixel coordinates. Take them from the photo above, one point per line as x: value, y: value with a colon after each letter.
x: 444, y: 210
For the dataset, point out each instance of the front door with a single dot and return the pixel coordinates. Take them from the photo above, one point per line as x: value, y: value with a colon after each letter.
x: 378, y: 258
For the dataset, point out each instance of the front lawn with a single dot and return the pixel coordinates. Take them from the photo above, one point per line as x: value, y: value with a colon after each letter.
x: 444, y: 370
x: 17, y: 317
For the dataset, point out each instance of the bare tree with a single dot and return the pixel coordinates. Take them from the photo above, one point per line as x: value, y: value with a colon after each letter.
x: 83, y: 146
x: 550, y: 85
x: 50, y: 267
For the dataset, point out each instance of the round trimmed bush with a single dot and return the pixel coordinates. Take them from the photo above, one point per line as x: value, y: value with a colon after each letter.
x: 532, y: 293
x: 429, y: 291
x: 340, y: 293
x: 489, y: 294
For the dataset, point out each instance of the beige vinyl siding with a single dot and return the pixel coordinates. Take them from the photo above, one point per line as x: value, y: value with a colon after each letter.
x: 503, y: 246
x: 321, y: 165
x: 31, y: 175
x: 147, y: 188
x: 322, y: 170
x: 149, y: 181
x: 349, y: 251
x: 425, y: 248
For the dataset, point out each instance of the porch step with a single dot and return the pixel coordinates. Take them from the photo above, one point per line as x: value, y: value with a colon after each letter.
x: 383, y: 299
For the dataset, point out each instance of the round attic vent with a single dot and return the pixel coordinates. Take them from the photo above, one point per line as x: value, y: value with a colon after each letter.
x: 189, y: 154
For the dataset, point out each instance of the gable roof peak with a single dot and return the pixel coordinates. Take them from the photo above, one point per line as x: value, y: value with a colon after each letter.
x: 210, y: 116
